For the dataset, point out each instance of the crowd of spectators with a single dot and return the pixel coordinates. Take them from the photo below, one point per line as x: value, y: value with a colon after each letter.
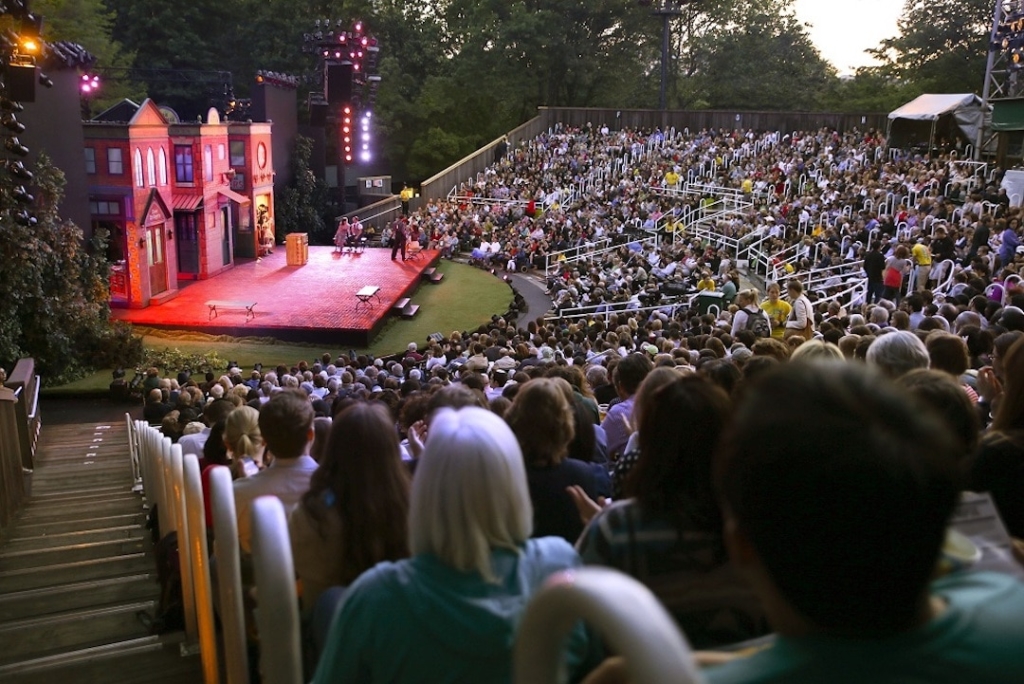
x: 443, y: 483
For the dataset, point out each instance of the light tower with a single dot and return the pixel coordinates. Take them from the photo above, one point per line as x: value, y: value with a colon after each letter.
x: 347, y: 61
x: 1004, y: 73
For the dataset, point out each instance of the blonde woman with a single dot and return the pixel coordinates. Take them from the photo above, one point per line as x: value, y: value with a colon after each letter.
x: 244, y: 442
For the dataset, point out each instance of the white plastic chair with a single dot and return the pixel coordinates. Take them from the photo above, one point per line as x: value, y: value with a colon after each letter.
x: 622, y: 610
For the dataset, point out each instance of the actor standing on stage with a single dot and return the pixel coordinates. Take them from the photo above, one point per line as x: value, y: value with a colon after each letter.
x: 342, y: 234
x: 398, y: 239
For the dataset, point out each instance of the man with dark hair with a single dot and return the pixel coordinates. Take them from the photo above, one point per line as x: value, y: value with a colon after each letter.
x: 213, y: 413
x: 618, y: 422
x: 286, y: 424
x: 836, y: 492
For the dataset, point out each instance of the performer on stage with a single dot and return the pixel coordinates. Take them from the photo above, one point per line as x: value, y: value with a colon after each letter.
x: 398, y: 239
x: 355, y: 232
x: 266, y: 232
x: 342, y: 234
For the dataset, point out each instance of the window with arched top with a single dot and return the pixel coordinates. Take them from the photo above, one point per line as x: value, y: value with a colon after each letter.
x: 150, y: 168
x: 163, y: 167
x: 137, y: 168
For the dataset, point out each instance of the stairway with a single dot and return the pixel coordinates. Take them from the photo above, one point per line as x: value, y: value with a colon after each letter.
x: 76, y: 568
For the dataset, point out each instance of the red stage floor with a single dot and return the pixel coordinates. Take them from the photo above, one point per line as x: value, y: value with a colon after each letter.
x: 311, y: 303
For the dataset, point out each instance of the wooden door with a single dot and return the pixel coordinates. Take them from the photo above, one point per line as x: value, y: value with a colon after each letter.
x: 157, y: 262
x: 186, y: 237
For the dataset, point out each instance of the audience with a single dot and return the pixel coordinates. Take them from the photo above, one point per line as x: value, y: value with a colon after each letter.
x: 630, y: 400
x: 449, y: 613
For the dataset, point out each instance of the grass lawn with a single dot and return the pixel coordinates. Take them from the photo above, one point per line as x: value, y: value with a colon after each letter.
x: 465, y: 299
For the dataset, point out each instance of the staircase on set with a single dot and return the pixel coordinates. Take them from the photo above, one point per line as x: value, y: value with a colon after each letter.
x: 77, y: 569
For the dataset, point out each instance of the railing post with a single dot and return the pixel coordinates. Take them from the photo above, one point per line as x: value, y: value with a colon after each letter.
x: 278, y: 612
x: 184, y: 551
x: 200, y: 555
x: 229, y: 576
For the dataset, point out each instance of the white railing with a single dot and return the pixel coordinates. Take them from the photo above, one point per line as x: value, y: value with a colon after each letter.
x: 172, y: 484
x: 229, y: 575
x: 609, y: 309
x: 278, y: 612
x: 573, y: 254
x: 625, y: 614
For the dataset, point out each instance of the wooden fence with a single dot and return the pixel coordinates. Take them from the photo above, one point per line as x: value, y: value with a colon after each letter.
x: 19, y: 431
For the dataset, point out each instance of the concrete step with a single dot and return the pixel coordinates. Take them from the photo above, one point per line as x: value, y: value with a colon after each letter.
x: 79, y: 571
x: 143, y: 660
x: 36, y: 637
x: 14, y: 559
x: 19, y: 605
x: 101, y: 534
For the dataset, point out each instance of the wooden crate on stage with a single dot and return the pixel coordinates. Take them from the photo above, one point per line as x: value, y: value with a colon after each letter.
x: 297, y: 249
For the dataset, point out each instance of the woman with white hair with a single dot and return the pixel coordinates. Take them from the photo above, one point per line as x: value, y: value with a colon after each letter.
x: 449, y: 613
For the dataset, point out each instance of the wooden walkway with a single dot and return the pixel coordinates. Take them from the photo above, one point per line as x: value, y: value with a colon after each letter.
x: 77, y: 568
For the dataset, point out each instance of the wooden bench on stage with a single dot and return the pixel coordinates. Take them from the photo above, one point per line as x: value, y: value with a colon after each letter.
x: 215, y: 304
x: 366, y: 294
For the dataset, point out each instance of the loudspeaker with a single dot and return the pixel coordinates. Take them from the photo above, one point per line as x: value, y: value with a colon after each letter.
x: 339, y: 83
x: 318, y: 113
x: 21, y: 82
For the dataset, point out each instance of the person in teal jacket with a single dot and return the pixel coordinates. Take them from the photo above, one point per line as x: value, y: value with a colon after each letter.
x: 449, y: 613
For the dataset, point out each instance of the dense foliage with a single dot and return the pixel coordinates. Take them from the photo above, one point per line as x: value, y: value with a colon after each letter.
x: 459, y: 73
x: 53, y: 285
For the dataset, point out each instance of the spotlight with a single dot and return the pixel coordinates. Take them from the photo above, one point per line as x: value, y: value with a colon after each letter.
x: 29, y: 46
x: 44, y: 80
x: 14, y: 146
x: 22, y: 195
x: 11, y: 105
x: 18, y: 170
x: 11, y: 123
x: 25, y: 218
x: 365, y: 156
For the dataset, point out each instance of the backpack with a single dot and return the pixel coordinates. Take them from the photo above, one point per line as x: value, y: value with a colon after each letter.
x: 757, y: 323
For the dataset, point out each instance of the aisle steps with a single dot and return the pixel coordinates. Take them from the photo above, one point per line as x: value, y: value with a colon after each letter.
x: 77, y: 570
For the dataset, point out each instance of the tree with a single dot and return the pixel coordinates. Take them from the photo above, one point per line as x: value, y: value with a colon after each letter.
x: 54, y: 288
x: 760, y: 57
x: 90, y: 24
x: 942, y: 46
x: 302, y: 205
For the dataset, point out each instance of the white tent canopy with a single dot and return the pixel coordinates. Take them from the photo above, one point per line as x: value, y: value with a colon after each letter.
x: 920, y: 119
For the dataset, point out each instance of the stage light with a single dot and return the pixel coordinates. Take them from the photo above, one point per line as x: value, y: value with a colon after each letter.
x: 342, y: 37
x: 347, y: 110
x: 358, y: 27
x: 364, y: 42
x: 29, y: 46
x: 25, y: 218
x: 18, y: 170
x: 44, y: 80
x: 345, y: 129
x: 348, y: 157
x: 11, y: 105
x: 14, y: 146
x: 365, y: 156
x: 11, y: 123
x: 22, y: 195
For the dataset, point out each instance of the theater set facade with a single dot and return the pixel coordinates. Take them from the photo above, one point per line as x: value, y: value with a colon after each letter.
x: 180, y: 201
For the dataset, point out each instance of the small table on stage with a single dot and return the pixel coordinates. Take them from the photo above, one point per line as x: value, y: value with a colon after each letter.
x: 366, y: 294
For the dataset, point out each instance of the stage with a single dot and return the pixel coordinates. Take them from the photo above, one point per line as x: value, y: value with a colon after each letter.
x: 312, y: 303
